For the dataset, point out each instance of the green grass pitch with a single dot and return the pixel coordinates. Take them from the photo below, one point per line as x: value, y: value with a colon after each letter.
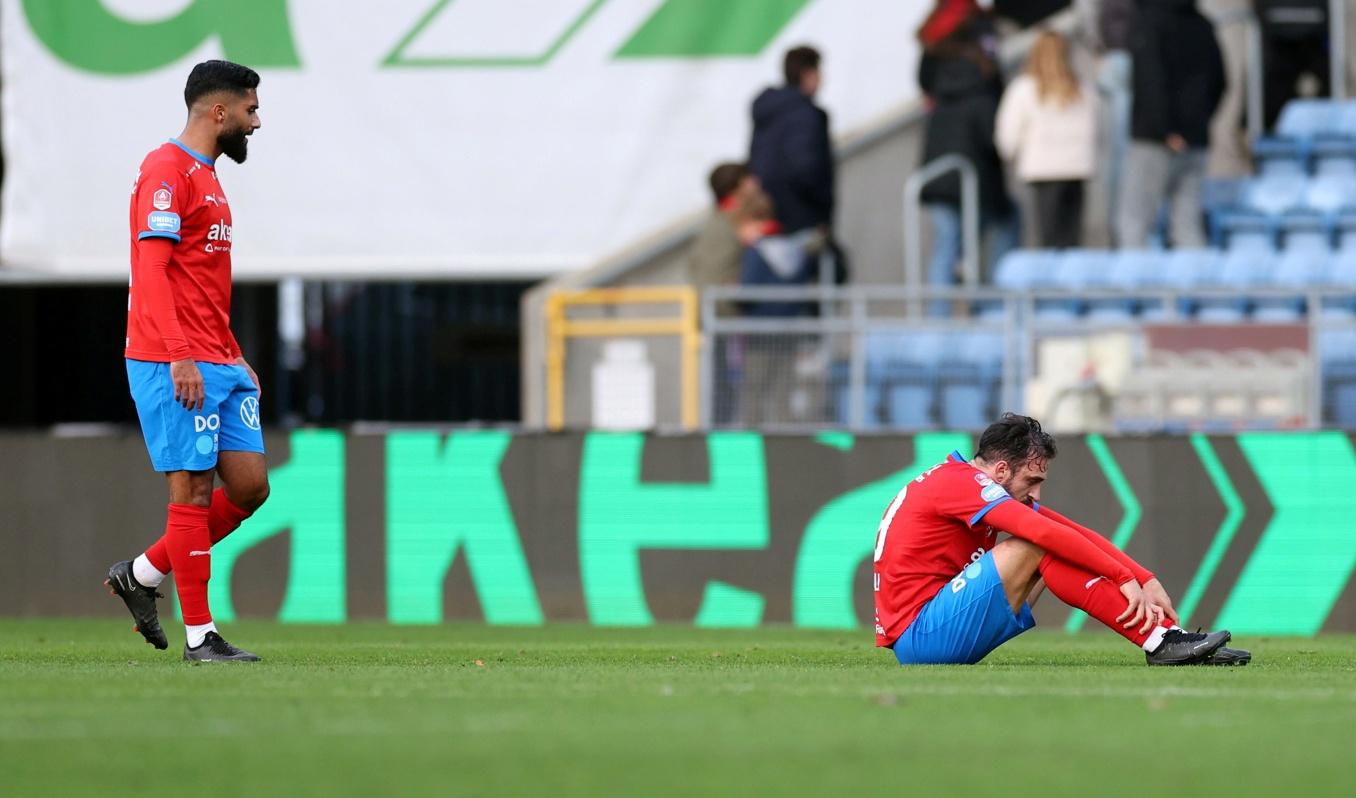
x: 86, y: 708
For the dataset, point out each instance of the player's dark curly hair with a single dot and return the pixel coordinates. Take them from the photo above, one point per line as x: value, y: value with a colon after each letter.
x: 214, y: 76
x: 1015, y: 439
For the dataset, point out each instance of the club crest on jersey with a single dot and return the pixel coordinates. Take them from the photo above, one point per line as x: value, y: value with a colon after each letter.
x: 163, y: 222
x: 983, y: 479
x: 161, y: 199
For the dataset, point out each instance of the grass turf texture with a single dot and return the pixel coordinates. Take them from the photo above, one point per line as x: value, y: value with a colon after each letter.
x: 86, y: 707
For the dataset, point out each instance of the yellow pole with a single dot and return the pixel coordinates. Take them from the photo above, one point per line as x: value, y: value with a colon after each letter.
x: 555, y: 364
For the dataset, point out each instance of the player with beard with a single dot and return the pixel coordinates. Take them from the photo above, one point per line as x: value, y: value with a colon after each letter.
x: 949, y: 592
x: 197, y: 398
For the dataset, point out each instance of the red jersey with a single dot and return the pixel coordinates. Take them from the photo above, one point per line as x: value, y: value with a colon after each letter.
x: 182, y: 310
x: 931, y: 531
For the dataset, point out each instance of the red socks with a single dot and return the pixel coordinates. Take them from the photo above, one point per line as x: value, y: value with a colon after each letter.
x: 223, y: 519
x: 190, y: 553
x: 1095, y: 595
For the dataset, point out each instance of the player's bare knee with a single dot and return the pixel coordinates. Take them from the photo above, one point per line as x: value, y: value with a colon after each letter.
x: 1017, y: 558
x: 252, y: 495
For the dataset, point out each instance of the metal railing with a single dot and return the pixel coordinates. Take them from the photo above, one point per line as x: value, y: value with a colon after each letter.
x: 862, y: 311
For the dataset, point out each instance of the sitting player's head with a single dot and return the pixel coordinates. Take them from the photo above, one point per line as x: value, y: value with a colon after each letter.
x: 223, y: 95
x: 1016, y: 452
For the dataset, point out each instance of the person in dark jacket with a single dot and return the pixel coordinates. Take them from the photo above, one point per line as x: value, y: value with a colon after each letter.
x: 1178, y: 80
x: 960, y: 78
x: 790, y: 152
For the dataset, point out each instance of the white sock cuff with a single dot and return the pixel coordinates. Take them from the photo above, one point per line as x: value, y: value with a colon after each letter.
x: 1155, y: 639
x: 196, y: 633
x: 145, y: 573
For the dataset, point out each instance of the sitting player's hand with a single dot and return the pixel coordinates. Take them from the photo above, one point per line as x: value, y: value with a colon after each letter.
x: 1139, y: 609
x: 1154, y: 590
x: 188, y: 390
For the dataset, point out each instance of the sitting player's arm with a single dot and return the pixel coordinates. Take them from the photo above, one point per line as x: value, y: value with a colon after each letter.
x: 1142, y: 575
x: 153, y: 290
x: 1056, y: 539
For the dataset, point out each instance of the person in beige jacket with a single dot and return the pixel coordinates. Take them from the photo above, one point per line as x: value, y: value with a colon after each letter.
x: 1047, y: 126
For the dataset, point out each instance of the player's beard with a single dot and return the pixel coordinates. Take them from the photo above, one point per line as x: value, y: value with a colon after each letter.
x: 234, y: 144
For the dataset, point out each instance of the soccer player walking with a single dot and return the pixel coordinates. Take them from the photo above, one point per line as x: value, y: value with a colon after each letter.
x: 196, y: 397
x: 948, y: 592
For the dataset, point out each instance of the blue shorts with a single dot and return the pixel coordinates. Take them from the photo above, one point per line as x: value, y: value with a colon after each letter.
x: 968, y: 618
x: 188, y: 440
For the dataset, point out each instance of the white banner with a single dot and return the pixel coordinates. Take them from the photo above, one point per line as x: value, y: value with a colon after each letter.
x: 484, y: 138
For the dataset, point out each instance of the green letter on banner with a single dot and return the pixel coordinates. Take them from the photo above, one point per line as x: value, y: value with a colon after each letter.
x: 85, y: 34
x: 442, y: 498
x: 1306, y: 555
x: 843, y: 533
x: 619, y: 516
x: 307, y: 498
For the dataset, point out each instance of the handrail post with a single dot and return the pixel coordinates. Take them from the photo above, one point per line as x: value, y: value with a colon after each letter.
x: 913, y: 225
x: 1337, y: 47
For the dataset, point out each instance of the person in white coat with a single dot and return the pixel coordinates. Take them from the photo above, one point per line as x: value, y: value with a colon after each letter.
x: 1047, y: 126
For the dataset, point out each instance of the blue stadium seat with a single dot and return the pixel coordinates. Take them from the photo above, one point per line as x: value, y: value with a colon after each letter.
x: 1337, y: 355
x: 1297, y: 269
x: 1239, y: 270
x: 1306, y: 232
x: 1330, y: 193
x: 1341, y: 274
x: 1186, y: 269
x: 970, y: 375
x: 1104, y: 271
x: 1302, y: 119
x: 1275, y: 194
x: 1245, y: 230
x: 1335, y: 157
x: 1280, y: 157
x: 901, y: 376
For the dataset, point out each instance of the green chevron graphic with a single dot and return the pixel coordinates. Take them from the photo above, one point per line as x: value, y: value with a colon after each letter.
x: 705, y: 28
x: 398, y: 58
x: 1233, y: 518
x: 1306, y: 555
x: 1129, y: 502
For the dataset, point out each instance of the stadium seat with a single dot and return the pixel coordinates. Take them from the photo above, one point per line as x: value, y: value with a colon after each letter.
x: 1239, y: 270
x: 1280, y: 157
x: 1330, y: 193
x: 1251, y: 230
x: 1335, y: 157
x: 1303, y: 119
x: 1186, y: 269
x: 1105, y: 271
x: 1306, y: 232
x: 1341, y: 274
x: 1337, y: 354
x: 1297, y: 269
x: 901, y: 376
x: 1275, y: 194
x: 970, y: 375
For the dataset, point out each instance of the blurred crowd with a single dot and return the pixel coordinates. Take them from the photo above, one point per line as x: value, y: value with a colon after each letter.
x: 1132, y: 121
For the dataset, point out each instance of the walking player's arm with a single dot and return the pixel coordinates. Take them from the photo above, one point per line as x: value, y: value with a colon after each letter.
x: 1142, y: 575
x: 152, y: 290
x: 1021, y: 521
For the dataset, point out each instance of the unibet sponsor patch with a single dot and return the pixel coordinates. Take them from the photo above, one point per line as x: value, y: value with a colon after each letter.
x: 163, y: 222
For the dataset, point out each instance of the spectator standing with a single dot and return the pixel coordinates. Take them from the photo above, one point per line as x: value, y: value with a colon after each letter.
x: 959, y: 75
x: 1178, y: 82
x: 714, y: 259
x: 1047, y: 125
x: 790, y: 151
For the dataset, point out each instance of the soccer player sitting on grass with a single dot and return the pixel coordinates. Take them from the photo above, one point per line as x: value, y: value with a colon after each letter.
x: 947, y: 592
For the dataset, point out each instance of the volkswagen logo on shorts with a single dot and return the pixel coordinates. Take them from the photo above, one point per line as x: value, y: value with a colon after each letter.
x: 249, y: 412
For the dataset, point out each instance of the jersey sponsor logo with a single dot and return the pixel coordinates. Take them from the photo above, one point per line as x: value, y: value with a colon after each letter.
x: 206, y: 423
x: 992, y: 493
x: 219, y: 232
x: 163, y: 221
x: 162, y: 199
x: 215, y: 199
x: 249, y: 412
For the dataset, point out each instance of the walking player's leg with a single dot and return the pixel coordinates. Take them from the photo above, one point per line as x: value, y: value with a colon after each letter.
x: 190, y: 548
x: 244, y: 489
